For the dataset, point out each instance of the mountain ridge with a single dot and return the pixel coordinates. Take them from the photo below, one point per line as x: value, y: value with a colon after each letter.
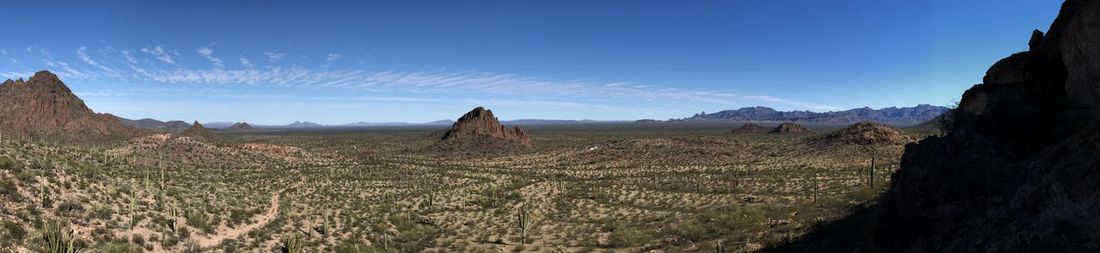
x: 900, y: 116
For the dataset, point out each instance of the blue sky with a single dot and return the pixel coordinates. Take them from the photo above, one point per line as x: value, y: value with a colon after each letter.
x: 274, y: 62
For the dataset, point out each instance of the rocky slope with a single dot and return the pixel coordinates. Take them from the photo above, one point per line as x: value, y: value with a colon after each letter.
x: 1017, y: 170
x: 904, y: 116
x: 478, y: 130
x: 865, y: 133
x: 789, y: 128
x: 43, y: 107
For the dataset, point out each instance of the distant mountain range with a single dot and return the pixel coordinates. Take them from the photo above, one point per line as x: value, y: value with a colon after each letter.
x: 904, y: 116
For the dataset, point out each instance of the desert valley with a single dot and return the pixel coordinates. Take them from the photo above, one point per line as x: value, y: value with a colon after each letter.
x: 1012, y: 168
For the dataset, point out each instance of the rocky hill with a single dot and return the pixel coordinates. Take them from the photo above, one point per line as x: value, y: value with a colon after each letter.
x: 904, y: 116
x: 241, y: 126
x: 196, y: 131
x: 789, y: 128
x: 43, y: 107
x: 174, y: 126
x: 478, y: 131
x: 866, y: 133
x: 1017, y: 169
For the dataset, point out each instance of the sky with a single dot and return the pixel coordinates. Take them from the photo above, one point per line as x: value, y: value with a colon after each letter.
x: 334, y: 62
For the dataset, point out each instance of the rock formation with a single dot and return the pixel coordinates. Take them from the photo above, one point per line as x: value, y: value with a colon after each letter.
x: 789, y: 128
x: 1017, y: 169
x: 197, y: 131
x: 44, y: 108
x: 241, y: 126
x: 749, y: 128
x: 866, y: 133
x: 479, y: 130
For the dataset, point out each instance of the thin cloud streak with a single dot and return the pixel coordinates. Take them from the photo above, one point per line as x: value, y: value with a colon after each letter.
x: 467, y: 83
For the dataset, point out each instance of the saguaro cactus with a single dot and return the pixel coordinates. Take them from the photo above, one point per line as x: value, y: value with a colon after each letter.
x: 523, y: 222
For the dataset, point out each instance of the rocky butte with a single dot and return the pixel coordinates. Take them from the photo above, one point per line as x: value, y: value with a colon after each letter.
x: 478, y: 131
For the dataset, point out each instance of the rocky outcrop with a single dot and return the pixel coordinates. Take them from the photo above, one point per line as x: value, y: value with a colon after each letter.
x: 1016, y: 170
x: 197, y: 131
x: 749, y: 128
x: 43, y: 107
x: 478, y: 131
x: 789, y: 128
x: 241, y: 126
x: 865, y: 133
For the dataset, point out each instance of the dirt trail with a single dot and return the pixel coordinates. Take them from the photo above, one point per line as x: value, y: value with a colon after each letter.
x: 217, y: 238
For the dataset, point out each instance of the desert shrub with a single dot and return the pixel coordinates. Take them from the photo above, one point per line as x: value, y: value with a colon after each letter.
x: 121, y: 247
x: 12, y: 231
x: 200, y: 220
x: 628, y: 237
x: 169, y: 241
x: 9, y: 189
x: 70, y: 207
x: 721, y: 222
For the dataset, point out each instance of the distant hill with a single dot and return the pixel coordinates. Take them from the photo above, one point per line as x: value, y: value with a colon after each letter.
x: 241, y: 126
x: 905, y: 116
x: 45, y: 108
x: 174, y: 126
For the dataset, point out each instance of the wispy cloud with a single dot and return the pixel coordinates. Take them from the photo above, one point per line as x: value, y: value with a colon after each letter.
x: 331, y: 57
x: 83, y: 55
x: 247, y: 64
x: 571, y: 93
x: 160, y: 54
x: 208, y: 53
x: 274, y: 56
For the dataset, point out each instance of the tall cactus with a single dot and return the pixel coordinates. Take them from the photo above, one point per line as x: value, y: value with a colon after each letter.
x: 173, y: 212
x: 133, y: 209
x: 293, y: 244
x: 523, y: 222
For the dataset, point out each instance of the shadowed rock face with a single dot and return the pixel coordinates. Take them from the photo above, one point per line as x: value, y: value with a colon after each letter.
x: 1017, y: 169
x: 480, y: 123
x: 44, y: 107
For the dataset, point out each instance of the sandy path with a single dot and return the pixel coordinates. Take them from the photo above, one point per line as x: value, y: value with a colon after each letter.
x: 217, y: 238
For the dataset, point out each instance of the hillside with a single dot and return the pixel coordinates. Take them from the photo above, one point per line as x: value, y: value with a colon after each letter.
x: 903, y: 116
x: 43, y: 107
